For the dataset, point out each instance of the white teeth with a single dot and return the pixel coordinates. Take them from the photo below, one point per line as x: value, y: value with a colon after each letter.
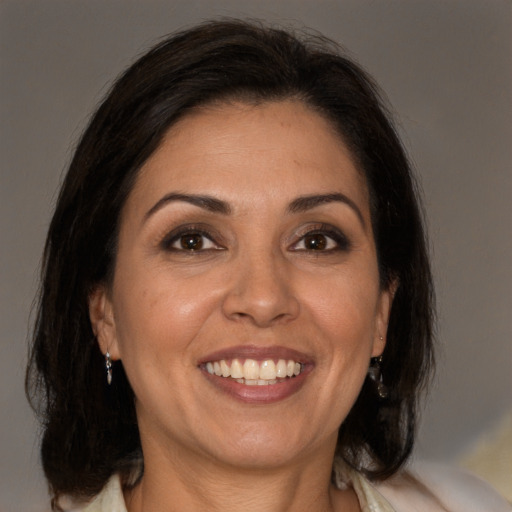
x: 236, y: 369
x: 255, y: 373
x: 224, y: 368
x: 281, y: 369
x: 268, y: 370
x: 251, y: 369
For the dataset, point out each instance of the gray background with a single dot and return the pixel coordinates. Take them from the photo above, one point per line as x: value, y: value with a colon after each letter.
x: 447, y: 69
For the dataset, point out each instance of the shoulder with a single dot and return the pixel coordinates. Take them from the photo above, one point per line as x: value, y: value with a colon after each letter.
x: 110, y: 499
x: 431, y: 486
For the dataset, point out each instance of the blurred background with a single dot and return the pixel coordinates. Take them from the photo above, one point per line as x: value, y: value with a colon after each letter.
x: 446, y: 67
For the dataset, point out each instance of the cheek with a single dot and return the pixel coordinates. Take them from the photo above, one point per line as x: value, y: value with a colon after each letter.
x: 344, y: 313
x: 158, y: 314
x: 346, y: 307
x: 156, y: 324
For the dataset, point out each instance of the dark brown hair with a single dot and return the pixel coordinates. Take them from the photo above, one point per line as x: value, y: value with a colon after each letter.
x: 90, y: 429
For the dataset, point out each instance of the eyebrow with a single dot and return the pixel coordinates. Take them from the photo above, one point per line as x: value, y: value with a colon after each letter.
x: 305, y: 203
x: 214, y: 205
x: 206, y: 202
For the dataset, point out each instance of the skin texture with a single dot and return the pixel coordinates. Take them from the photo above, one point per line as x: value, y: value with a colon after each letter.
x: 256, y: 281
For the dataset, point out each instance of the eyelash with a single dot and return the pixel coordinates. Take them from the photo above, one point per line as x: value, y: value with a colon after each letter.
x: 175, y: 236
x: 340, y: 240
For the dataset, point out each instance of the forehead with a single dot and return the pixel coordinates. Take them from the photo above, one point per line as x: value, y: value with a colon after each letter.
x: 238, y: 150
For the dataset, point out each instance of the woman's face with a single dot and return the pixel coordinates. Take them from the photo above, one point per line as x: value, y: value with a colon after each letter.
x: 245, y: 256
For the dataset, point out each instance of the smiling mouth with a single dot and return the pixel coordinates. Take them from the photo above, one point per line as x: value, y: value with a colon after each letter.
x: 255, y: 373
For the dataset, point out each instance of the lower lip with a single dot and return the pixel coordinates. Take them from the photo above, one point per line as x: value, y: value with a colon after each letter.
x: 266, y: 394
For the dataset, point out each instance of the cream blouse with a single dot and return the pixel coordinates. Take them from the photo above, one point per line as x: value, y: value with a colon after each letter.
x: 428, y: 488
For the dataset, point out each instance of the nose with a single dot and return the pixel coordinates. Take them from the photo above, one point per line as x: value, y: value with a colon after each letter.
x: 261, y: 292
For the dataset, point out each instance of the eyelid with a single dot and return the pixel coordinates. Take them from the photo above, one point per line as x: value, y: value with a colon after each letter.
x: 198, y: 229
x: 337, y: 235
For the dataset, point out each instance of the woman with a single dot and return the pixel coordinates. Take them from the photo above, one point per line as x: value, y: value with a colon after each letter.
x: 236, y: 307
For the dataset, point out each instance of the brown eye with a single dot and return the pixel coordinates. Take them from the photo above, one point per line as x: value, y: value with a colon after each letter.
x: 191, y: 242
x: 325, y: 239
x: 188, y: 240
x: 315, y: 242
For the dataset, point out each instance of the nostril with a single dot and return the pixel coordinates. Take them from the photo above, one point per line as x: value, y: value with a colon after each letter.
x: 262, y: 316
x: 261, y: 294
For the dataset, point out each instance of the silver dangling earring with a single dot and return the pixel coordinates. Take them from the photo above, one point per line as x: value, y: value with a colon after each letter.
x: 108, y: 366
x: 375, y: 374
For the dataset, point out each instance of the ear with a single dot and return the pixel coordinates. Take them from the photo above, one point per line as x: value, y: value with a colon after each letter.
x: 382, y: 318
x: 101, y: 314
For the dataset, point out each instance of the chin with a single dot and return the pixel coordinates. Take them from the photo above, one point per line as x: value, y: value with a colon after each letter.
x: 263, y: 446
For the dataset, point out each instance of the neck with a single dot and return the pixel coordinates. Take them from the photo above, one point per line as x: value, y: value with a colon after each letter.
x: 176, y: 483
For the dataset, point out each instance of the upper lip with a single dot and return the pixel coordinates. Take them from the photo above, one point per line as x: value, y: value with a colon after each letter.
x: 257, y: 352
